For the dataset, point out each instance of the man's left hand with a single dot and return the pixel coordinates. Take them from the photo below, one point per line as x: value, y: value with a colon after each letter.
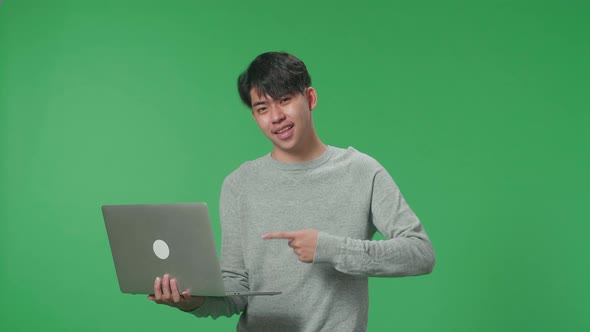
x: 303, y: 242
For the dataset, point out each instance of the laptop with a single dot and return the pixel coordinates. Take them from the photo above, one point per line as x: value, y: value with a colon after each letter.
x: 150, y: 240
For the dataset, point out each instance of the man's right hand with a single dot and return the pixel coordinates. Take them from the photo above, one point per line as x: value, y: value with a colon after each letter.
x: 166, y: 292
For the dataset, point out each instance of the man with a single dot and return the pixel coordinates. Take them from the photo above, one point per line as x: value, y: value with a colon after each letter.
x: 301, y: 219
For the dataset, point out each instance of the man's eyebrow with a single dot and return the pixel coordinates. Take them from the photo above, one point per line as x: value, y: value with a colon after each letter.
x: 258, y: 103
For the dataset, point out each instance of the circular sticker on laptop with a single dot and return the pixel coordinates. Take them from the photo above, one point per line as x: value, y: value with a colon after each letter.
x: 161, y: 249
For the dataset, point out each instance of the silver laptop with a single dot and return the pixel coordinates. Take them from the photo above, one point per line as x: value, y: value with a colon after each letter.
x: 150, y: 240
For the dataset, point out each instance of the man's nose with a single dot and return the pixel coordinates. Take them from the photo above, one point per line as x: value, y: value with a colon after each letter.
x: 277, y: 115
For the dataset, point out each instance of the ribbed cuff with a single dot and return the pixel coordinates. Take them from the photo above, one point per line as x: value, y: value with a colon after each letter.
x: 328, y: 248
x: 202, y: 310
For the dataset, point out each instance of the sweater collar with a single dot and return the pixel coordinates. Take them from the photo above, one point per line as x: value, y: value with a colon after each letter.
x: 299, y: 166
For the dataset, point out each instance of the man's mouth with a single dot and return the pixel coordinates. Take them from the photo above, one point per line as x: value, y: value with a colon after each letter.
x: 283, y: 129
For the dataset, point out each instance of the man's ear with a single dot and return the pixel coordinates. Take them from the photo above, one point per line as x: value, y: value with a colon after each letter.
x: 312, y: 98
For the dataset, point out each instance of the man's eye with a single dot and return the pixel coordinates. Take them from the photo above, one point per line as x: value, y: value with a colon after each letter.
x: 260, y: 110
x: 286, y: 99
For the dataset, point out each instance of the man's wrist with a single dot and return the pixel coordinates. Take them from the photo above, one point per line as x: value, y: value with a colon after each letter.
x: 328, y: 248
x: 194, y: 306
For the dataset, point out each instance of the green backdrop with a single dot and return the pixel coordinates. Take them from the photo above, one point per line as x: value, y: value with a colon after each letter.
x: 478, y: 109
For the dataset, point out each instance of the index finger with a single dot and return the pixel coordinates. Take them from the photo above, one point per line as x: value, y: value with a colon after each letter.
x: 279, y: 235
x: 174, y: 289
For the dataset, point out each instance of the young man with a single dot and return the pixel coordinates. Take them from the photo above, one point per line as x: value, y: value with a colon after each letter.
x: 301, y: 218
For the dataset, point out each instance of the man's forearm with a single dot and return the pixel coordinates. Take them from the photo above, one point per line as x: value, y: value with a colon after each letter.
x: 397, y: 257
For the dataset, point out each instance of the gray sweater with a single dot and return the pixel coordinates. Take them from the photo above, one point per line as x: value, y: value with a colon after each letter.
x: 344, y: 194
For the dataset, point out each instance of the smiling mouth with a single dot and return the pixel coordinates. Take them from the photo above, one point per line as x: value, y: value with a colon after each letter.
x: 284, y: 129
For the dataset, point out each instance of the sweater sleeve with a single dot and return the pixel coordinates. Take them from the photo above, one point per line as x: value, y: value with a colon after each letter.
x: 235, y: 275
x: 407, y: 250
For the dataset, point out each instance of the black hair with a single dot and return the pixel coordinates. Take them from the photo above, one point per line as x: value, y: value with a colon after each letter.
x: 275, y: 74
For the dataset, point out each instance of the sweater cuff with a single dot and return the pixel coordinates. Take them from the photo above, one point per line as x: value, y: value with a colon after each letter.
x: 328, y: 248
x: 202, y: 310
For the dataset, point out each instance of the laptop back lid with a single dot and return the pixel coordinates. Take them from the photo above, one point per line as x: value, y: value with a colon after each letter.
x: 150, y: 240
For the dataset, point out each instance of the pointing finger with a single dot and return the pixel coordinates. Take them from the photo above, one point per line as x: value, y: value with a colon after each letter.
x: 279, y: 235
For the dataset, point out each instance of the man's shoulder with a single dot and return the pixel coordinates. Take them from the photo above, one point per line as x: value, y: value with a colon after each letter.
x: 355, y: 158
x: 244, y: 170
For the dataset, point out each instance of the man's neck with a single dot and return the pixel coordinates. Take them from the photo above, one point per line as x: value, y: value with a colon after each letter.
x: 310, y: 152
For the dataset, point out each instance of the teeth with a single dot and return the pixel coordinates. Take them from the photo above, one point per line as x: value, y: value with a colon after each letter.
x: 284, y: 129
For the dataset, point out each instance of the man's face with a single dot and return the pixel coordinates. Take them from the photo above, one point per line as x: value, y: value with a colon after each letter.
x: 286, y: 121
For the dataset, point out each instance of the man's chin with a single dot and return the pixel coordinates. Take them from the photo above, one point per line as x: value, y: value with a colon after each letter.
x: 286, y: 146
x: 285, y: 149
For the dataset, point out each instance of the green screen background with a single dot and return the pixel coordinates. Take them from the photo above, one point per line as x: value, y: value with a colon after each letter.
x: 479, y: 110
